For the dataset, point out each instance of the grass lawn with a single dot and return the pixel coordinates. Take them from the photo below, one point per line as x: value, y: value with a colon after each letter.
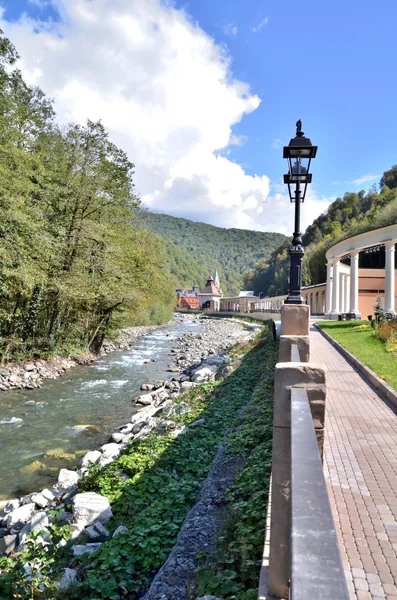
x: 359, y: 338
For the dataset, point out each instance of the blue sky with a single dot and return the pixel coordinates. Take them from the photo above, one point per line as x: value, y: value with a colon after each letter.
x: 331, y: 64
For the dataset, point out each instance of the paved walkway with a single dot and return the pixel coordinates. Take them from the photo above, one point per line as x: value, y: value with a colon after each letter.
x: 361, y: 470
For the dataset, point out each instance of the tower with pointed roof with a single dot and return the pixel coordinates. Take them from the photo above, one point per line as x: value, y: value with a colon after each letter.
x: 216, y: 279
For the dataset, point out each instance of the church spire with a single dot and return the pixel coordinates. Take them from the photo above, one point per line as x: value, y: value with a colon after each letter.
x: 216, y: 279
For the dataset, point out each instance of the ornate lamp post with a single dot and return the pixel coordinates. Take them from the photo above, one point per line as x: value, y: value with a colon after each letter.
x: 299, y: 153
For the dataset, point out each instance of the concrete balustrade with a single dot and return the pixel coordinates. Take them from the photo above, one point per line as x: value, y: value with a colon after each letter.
x: 316, y: 566
x: 295, y: 374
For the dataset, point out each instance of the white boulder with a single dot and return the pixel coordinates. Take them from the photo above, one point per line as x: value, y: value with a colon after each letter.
x: 39, y: 500
x: 89, y: 507
x: 67, y: 478
x: 111, y: 449
x: 49, y: 494
x: 217, y: 360
x: 39, y: 521
x: 118, y: 437
x: 20, y: 516
x: 203, y: 373
x: 91, y: 457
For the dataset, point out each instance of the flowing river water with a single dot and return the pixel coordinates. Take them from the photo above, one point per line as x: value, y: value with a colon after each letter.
x: 46, y: 429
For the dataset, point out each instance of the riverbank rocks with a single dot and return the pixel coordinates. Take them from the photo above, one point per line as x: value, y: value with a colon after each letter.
x: 97, y: 532
x: 79, y: 550
x: 204, y: 373
x: 111, y: 450
x: 39, y: 500
x: 18, y: 517
x: 39, y: 522
x: 67, y: 479
x: 91, y: 457
x: 68, y: 578
x: 144, y: 399
x: 8, y: 543
x: 89, y: 507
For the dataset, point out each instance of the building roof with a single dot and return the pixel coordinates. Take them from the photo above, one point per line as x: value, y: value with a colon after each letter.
x: 210, y: 288
x: 245, y: 293
x: 240, y: 297
x: 187, y: 293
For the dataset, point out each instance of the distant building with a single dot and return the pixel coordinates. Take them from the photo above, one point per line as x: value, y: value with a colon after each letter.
x: 244, y: 302
x: 188, y: 298
x: 207, y: 297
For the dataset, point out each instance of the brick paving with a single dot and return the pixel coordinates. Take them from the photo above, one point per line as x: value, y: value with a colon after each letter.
x: 360, y: 463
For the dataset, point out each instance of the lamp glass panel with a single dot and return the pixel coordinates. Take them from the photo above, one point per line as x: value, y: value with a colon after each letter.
x: 298, y: 168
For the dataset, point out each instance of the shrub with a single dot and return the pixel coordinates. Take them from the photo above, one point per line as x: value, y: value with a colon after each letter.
x: 387, y: 333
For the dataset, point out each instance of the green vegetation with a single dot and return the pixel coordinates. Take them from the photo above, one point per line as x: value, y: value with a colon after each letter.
x: 350, y: 215
x: 386, y: 332
x: 232, y: 570
x: 165, y: 476
x: 73, y: 261
x: 196, y: 250
x: 359, y: 338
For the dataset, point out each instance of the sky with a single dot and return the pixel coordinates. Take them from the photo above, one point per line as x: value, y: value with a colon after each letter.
x: 203, y: 94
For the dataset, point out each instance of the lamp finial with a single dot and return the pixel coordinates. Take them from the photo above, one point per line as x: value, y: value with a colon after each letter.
x: 299, y: 132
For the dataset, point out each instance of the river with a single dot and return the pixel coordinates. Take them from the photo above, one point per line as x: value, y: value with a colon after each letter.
x: 45, y: 429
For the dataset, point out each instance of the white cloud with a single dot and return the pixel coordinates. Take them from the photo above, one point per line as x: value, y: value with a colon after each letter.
x: 260, y: 25
x: 230, y: 30
x: 277, y: 143
x: 364, y: 179
x: 165, y: 92
x: 278, y: 209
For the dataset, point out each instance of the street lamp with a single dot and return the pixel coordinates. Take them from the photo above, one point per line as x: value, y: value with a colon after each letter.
x: 299, y: 154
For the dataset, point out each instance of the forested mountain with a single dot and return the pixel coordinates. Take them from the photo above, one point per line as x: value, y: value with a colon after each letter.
x: 73, y: 262
x: 352, y: 214
x: 196, y: 249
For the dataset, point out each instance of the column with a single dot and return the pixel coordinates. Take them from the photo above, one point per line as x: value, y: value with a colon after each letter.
x: 328, y: 292
x: 342, y: 293
x: 354, y: 256
x: 389, y: 276
x: 335, y: 289
x: 309, y: 301
x: 313, y: 304
x: 347, y: 293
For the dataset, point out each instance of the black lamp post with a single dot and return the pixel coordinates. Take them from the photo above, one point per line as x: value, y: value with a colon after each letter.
x: 299, y: 153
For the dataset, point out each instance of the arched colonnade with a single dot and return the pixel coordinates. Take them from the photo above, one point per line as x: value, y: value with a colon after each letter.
x: 315, y: 298
x: 342, y: 290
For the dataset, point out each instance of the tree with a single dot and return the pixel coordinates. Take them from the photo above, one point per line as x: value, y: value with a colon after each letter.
x: 389, y: 179
x: 74, y: 262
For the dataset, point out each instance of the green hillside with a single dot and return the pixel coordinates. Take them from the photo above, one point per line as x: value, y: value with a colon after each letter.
x: 197, y: 249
